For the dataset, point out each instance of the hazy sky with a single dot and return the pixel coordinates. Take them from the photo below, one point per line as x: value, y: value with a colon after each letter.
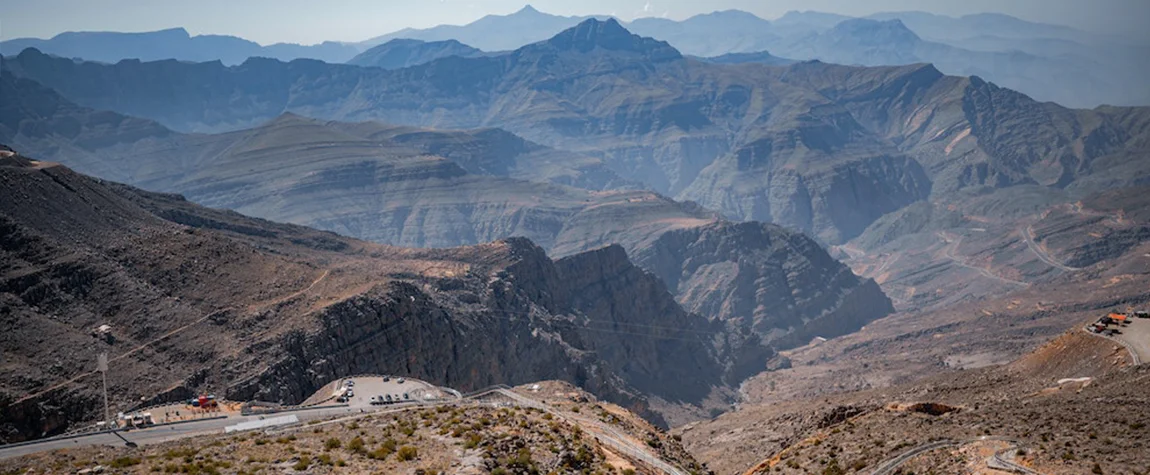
x: 312, y: 21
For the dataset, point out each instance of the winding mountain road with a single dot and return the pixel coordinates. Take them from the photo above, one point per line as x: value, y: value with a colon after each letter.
x: 888, y: 467
x: 606, y: 434
x: 997, y: 461
x: 1028, y: 236
x: 949, y: 254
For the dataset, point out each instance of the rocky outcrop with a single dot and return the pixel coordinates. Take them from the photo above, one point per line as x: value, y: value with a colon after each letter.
x: 780, y: 284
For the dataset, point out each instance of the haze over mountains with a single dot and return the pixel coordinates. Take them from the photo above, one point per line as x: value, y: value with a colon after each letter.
x: 821, y: 148
x: 379, y: 183
x: 1048, y: 62
x: 682, y: 222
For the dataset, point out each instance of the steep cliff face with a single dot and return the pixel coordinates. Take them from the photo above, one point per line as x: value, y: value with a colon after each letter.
x: 781, y: 284
x: 650, y: 338
x: 592, y: 319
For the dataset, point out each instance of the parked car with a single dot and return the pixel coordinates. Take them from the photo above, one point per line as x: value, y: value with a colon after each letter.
x: 386, y: 378
x: 405, y: 396
x: 400, y: 380
x: 388, y: 398
x: 350, y: 384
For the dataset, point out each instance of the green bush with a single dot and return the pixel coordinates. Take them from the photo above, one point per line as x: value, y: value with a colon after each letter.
x: 303, y: 463
x: 332, y: 443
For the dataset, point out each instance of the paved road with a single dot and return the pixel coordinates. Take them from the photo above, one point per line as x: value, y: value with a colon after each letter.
x: 949, y: 253
x: 890, y: 465
x: 154, y: 435
x: 605, y: 433
x: 358, y: 405
x: 1028, y: 236
x: 1001, y: 461
x: 999, y: 458
x: 1135, y: 337
x: 365, y: 387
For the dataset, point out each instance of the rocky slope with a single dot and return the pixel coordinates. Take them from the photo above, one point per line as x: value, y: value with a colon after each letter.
x: 210, y: 300
x: 1023, y: 410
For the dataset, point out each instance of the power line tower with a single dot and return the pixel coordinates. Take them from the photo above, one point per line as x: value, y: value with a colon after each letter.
x: 102, y: 367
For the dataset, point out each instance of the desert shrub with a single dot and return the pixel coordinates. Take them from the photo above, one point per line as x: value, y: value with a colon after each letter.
x: 406, y: 453
x: 124, y: 462
x: 356, y: 445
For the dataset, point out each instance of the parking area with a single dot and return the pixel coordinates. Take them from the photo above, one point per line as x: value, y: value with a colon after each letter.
x: 1136, y: 334
x: 1132, y: 329
x: 399, y: 389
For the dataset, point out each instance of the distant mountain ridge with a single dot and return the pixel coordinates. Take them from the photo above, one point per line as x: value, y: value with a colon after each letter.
x: 174, y: 43
x: 402, y: 52
x: 1049, y: 62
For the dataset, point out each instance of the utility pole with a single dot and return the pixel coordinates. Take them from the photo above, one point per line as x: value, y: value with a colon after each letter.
x: 102, y: 367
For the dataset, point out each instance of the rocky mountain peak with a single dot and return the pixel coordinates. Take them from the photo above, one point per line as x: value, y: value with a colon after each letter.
x: 610, y: 35
x: 527, y: 10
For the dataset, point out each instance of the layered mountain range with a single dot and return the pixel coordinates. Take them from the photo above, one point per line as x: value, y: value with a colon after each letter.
x: 174, y: 43
x: 821, y: 148
x: 1048, y: 62
x: 435, y: 188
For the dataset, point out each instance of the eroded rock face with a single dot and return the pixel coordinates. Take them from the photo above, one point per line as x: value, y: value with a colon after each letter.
x: 781, y: 284
x: 592, y: 319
